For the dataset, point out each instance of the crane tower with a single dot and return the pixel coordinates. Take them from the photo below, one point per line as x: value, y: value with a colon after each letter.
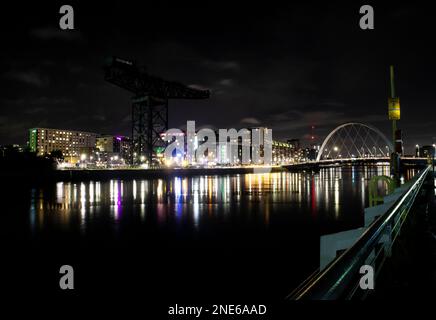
x: 149, y: 103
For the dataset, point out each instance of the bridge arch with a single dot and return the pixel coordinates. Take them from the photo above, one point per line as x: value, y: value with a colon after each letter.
x: 354, y: 140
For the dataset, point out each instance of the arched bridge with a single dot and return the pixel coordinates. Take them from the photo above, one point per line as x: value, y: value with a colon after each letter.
x: 355, y: 140
x: 354, y: 143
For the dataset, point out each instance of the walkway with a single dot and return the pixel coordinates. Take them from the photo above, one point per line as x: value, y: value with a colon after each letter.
x: 410, y: 273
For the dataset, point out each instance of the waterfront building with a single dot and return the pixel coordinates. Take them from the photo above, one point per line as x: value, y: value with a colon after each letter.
x: 74, y: 145
x: 425, y: 151
x: 114, y: 146
x: 282, y: 152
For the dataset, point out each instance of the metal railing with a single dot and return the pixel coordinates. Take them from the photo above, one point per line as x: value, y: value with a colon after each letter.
x: 340, y: 279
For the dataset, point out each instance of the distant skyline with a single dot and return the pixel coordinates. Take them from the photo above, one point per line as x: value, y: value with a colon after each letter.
x: 287, y: 67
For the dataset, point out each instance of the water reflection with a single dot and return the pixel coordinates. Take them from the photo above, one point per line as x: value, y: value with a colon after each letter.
x: 333, y: 194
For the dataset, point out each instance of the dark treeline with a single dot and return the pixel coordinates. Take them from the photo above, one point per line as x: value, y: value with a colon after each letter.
x: 18, y: 163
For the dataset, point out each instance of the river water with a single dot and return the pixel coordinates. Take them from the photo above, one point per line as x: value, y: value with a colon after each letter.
x: 199, y: 237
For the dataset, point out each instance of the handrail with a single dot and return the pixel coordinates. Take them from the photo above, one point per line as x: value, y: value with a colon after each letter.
x: 334, y: 281
x: 302, y: 285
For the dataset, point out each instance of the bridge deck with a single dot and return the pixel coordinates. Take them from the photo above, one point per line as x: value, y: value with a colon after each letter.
x: 315, y: 165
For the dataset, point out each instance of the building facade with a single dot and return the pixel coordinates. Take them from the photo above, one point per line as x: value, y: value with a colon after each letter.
x: 425, y: 151
x: 74, y: 145
x: 114, y: 146
x: 283, y: 152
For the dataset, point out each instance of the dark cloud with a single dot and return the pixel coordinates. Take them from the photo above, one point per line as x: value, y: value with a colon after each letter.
x: 37, y: 101
x: 198, y: 86
x: 29, y: 77
x: 222, y: 65
x: 52, y: 33
x: 99, y: 117
x: 250, y: 121
x: 296, y: 120
x: 35, y: 111
x: 226, y: 82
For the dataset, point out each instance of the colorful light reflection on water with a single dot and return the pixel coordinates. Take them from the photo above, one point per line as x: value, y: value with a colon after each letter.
x: 251, y: 198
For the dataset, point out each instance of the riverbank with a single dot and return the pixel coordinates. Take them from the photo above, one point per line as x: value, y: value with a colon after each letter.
x: 107, y: 174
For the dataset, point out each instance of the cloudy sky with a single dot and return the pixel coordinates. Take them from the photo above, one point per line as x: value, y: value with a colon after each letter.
x: 284, y: 66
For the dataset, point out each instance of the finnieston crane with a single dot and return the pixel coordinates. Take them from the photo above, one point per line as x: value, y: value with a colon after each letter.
x: 149, y: 103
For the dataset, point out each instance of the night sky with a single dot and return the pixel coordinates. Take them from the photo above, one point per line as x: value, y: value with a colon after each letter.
x: 269, y: 64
